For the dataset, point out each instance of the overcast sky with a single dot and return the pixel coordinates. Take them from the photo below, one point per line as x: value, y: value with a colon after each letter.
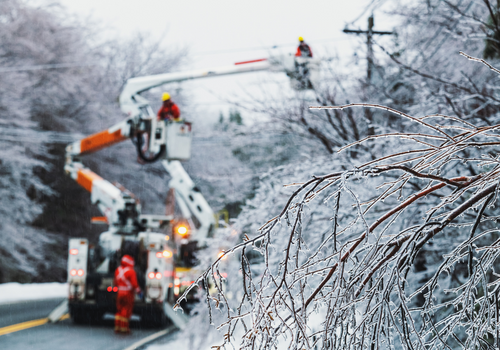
x: 221, y: 32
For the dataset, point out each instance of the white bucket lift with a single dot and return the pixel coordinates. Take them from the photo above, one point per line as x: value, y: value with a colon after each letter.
x: 179, y: 136
x: 175, y: 136
x: 304, y: 72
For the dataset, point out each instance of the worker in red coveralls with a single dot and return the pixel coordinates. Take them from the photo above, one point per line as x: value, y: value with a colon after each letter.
x: 169, y: 110
x: 126, y: 281
x: 303, y: 50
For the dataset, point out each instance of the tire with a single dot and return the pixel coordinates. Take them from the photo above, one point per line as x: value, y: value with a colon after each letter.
x: 155, y: 319
x: 83, y: 317
x: 78, y: 317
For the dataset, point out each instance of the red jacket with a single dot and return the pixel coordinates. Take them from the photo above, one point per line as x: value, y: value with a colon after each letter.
x: 125, y: 276
x: 303, y: 51
x: 169, y: 111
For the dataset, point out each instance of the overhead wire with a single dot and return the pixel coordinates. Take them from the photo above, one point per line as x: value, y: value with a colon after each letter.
x: 95, y: 63
x: 426, y: 59
x: 46, y: 66
x: 35, y: 136
x: 373, y: 5
x: 267, y: 47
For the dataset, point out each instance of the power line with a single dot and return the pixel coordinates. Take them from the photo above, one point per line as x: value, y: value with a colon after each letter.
x: 46, y: 66
x: 94, y: 63
x: 265, y: 47
x: 35, y: 136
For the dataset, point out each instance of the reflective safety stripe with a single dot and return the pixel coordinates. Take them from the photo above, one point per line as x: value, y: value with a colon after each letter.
x: 122, y: 280
x: 127, y: 260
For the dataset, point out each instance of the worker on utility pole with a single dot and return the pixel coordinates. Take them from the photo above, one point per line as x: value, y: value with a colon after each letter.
x: 303, y: 50
x: 169, y: 110
x: 126, y: 281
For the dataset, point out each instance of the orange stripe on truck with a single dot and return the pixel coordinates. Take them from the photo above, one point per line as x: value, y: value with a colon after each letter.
x: 85, y: 177
x: 99, y: 220
x: 100, y: 140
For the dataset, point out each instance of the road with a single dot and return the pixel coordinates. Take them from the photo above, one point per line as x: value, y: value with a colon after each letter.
x: 63, y: 334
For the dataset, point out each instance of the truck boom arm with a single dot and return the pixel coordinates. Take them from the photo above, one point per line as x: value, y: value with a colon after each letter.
x: 191, y: 201
x: 117, y: 205
x: 131, y: 102
x: 117, y: 133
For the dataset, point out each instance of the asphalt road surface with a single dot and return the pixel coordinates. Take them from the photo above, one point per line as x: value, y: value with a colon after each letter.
x: 63, y: 334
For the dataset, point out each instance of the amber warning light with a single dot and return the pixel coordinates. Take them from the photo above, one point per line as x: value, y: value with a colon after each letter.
x: 182, y: 230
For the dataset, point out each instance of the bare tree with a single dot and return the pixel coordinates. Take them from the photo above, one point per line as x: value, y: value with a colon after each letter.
x: 60, y: 78
x: 356, y: 281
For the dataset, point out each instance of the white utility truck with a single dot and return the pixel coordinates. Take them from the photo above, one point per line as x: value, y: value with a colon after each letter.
x: 162, y: 247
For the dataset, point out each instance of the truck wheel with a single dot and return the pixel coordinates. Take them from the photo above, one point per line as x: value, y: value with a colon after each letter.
x: 82, y: 317
x: 97, y: 317
x: 163, y: 319
x: 79, y: 318
x: 156, y: 319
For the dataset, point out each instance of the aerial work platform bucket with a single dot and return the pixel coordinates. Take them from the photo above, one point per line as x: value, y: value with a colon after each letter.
x: 178, y: 140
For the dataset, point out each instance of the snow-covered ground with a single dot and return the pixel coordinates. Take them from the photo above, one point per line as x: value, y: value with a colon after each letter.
x: 15, y: 292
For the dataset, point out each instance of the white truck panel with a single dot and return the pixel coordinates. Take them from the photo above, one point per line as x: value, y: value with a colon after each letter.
x: 160, y: 266
x: 77, y: 267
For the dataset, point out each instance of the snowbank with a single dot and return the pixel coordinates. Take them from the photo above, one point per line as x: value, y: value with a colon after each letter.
x: 15, y: 292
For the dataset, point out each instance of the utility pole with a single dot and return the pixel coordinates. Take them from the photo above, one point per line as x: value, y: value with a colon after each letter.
x: 369, y: 58
x: 369, y: 35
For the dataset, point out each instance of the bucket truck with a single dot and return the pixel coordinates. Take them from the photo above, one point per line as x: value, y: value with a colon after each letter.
x: 161, y: 264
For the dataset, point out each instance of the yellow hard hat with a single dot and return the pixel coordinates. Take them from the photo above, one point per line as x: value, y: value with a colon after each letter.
x: 165, y: 96
x: 301, y: 38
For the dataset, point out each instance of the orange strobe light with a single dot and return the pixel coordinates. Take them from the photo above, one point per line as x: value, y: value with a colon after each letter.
x: 182, y: 230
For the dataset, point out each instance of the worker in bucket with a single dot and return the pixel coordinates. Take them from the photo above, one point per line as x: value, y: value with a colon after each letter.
x: 169, y: 110
x: 126, y: 281
x: 303, y: 50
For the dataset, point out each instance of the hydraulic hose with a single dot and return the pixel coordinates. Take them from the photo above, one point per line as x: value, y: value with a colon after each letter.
x: 140, y: 152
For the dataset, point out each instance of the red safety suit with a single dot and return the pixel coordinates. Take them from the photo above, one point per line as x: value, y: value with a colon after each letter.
x: 303, y: 50
x: 126, y: 281
x: 169, y: 111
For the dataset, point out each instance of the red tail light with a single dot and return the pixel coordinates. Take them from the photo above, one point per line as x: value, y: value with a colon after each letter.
x: 159, y: 255
x: 115, y: 289
x: 158, y: 276
x: 73, y: 251
x: 80, y: 272
x: 72, y: 272
x: 151, y: 275
x: 110, y: 289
